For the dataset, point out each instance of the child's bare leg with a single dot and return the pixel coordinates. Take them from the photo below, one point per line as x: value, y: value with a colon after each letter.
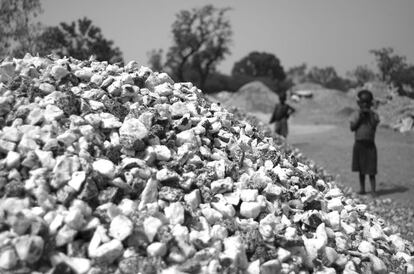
x: 361, y: 183
x: 373, y: 183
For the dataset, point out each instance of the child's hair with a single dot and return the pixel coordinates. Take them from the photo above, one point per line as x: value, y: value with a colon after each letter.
x: 282, y: 96
x: 365, y: 96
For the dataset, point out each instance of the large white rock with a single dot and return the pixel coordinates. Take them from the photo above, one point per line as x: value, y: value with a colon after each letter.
x: 272, y: 191
x: 226, y: 210
x: 164, y: 89
x: 121, y: 227
x: 254, y: 267
x: 46, y: 88
x: 218, y: 232
x: 157, y: 249
x: 335, y: 204
x: 104, y: 167
x: 12, y: 159
x: 334, y: 220
x: 193, y: 199
x: 29, y: 248
x: 109, y: 121
x: 75, y: 219
x: 397, y: 242
x: 378, y: 266
x: 133, y: 129
x: 250, y: 209
x: 65, y: 235
x: 78, y: 177
x: 248, y: 195
x: 127, y: 206
x: 12, y: 134
x: 149, y: 194
x: 212, y: 215
x: 151, y: 226
x: 232, y: 198
x: 175, y: 213
x: 186, y: 136
x: 53, y: 113
x: 108, y: 252
x: 366, y: 247
x: 8, y: 258
x: 234, y: 250
x: 162, y: 152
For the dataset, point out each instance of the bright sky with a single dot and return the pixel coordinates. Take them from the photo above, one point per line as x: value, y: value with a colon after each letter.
x: 321, y: 33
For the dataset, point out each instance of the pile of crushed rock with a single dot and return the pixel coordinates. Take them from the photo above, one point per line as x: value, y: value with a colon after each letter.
x: 111, y: 169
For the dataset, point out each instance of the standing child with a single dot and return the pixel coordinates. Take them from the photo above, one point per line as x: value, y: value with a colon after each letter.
x: 280, y: 115
x: 364, y: 123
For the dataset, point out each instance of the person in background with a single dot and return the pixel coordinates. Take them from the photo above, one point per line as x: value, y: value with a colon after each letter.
x: 364, y: 123
x: 280, y: 115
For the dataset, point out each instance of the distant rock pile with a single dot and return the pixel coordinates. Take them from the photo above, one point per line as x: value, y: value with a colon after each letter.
x: 109, y: 169
x: 252, y: 97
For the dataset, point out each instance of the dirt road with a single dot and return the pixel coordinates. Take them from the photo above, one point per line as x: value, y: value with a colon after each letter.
x: 330, y: 146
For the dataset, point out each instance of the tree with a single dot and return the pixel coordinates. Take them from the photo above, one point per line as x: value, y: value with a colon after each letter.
x: 155, y: 59
x: 297, y: 74
x: 362, y: 74
x: 201, y: 39
x: 404, y: 81
x: 328, y: 78
x: 322, y: 75
x: 79, y: 39
x: 260, y: 64
x: 388, y: 63
x: 264, y: 67
x: 17, y: 29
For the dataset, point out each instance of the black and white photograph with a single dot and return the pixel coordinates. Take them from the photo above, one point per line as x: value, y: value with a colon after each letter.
x: 206, y: 137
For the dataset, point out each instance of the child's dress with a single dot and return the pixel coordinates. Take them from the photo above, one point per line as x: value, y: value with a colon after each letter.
x: 364, y: 156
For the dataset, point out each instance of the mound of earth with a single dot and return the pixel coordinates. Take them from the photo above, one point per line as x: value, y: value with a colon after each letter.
x: 251, y: 97
x: 306, y: 86
x: 345, y: 112
x: 325, y: 106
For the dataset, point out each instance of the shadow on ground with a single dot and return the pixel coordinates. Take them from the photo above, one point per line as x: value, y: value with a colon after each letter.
x: 391, y: 190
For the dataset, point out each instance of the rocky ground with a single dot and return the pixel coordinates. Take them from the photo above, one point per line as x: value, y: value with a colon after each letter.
x: 108, y: 169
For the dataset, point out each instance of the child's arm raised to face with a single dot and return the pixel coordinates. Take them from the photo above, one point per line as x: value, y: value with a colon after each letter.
x: 375, y: 119
x: 291, y: 110
x: 355, y: 120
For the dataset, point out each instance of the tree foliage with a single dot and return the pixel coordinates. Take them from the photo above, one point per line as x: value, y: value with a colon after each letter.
x: 17, y: 29
x: 329, y: 78
x: 388, y: 63
x: 264, y: 67
x: 79, y: 39
x: 260, y: 64
x: 322, y: 75
x: 155, y: 59
x: 297, y: 74
x: 201, y: 39
x: 395, y: 70
x: 362, y: 74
